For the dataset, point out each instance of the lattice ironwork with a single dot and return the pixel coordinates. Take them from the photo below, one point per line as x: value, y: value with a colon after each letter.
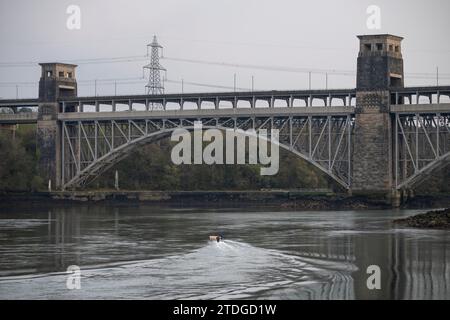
x: 91, y: 147
x: 422, y: 144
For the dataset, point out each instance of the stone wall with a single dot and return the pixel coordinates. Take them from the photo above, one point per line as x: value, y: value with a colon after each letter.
x: 374, y: 72
x: 372, y: 150
x: 48, y: 145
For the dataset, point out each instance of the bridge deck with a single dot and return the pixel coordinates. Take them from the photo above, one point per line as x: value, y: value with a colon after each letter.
x: 421, y: 108
x: 19, y: 102
x: 281, y: 94
x: 210, y: 96
x: 18, y: 118
x: 208, y: 113
x: 346, y: 95
x: 444, y: 90
x: 246, y: 112
x: 223, y: 95
x: 31, y: 117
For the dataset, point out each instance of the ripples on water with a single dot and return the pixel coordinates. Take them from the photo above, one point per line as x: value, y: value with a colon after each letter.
x: 161, y: 255
x: 225, y: 270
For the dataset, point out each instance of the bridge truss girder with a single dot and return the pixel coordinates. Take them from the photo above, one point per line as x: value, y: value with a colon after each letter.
x: 90, y: 147
x: 421, y: 145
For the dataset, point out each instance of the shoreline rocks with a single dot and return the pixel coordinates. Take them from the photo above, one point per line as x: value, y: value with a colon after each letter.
x: 276, y: 199
x: 436, y: 219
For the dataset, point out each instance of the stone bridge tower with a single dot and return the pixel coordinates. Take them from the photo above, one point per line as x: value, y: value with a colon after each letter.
x: 380, y: 67
x: 57, y: 81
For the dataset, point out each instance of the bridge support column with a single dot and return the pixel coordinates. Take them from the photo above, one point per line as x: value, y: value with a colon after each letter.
x: 372, y: 148
x: 396, y: 198
x: 378, y: 71
x: 57, y: 80
x: 49, y: 144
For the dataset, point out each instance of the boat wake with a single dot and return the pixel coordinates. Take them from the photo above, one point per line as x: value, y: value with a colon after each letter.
x: 218, y: 270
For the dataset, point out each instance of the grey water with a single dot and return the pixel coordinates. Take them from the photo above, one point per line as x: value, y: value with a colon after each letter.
x: 145, y: 252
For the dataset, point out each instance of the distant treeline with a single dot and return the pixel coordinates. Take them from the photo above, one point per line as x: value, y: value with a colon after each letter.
x: 18, y: 160
x: 150, y: 168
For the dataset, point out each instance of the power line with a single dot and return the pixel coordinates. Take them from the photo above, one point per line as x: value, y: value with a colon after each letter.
x: 207, y: 85
x: 135, y: 80
x: 269, y: 68
x: 414, y: 75
x: 417, y: 75
x: 111, y: 79
x: 76, y: 61
x: 140, y: 80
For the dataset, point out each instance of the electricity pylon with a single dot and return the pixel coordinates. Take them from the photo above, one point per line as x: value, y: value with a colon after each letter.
x: 154, y: 85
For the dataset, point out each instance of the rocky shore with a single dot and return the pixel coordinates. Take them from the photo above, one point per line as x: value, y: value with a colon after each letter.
x: 438, y: 219
x: 279, y: 199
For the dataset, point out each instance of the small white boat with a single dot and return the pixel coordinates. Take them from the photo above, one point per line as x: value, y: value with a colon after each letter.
x: 215, y: 238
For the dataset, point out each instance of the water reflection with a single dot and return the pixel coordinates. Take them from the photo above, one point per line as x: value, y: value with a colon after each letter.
x: 149, y: 252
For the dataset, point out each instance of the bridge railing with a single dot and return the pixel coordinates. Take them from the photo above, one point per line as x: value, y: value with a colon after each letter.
x: 24, y: 117
x: 421, y: 95
x: 16, y: 103
x: 237, y: 100
x: 223, y: 100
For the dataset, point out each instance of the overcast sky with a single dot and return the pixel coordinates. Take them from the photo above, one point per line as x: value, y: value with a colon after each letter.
x: 319, y: 34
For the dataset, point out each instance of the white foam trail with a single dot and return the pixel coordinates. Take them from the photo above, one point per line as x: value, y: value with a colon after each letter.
x: 219, y: 270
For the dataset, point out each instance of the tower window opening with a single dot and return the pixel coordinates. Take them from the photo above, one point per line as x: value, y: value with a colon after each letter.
x: 49, y: 73
x: 395, y: 82
x: 379, y: 46
x: 61, y: 74
x: 367, y: 47
x: 69, y: 75
x: 397, y: 49
x: 391, y: 47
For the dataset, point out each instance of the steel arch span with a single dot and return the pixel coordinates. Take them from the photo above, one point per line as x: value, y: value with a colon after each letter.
x: 422, y: 145
x: 91, y: 147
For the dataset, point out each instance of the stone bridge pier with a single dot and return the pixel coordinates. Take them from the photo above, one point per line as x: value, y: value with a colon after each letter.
x: 57, y: 81
x: 379, y: 70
